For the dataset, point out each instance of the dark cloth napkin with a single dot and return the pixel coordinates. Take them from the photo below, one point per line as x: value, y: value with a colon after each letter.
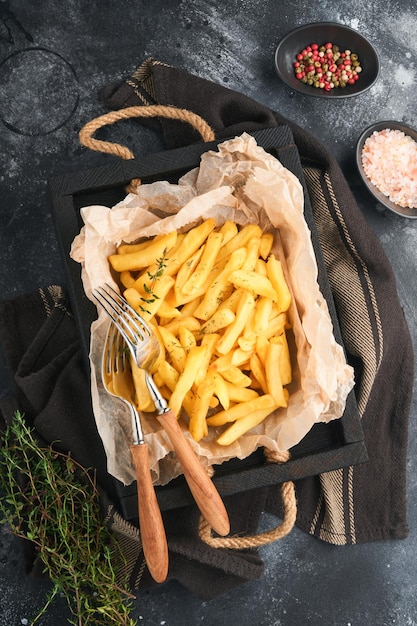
x: 351, y: 505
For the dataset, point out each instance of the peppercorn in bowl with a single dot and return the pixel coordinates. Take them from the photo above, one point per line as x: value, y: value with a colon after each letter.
x: 327, y: 59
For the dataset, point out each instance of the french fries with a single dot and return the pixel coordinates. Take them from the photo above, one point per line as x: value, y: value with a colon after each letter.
x: 218, y: 302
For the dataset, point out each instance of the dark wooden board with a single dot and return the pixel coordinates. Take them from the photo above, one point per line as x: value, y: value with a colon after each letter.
x: 326, y: 447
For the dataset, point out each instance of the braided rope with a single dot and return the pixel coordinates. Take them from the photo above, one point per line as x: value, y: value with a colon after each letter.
x: 87, y: 132
x: 262, y: 539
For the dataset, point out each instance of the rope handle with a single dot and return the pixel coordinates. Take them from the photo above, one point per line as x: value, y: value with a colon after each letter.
x: 255, y: 541
x: 87, y: 132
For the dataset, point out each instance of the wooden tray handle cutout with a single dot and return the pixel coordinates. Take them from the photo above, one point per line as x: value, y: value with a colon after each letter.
x: 256, y: 541
x: 87, y: 132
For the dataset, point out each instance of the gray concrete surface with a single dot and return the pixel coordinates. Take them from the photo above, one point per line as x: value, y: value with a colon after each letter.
x: 51, y: 71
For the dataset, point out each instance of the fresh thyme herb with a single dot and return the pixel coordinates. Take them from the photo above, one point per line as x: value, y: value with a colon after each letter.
x: 52, y: 501
x: 153, y: 276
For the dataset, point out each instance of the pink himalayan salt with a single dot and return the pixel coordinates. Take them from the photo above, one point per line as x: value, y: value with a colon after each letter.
x: 389, y: 159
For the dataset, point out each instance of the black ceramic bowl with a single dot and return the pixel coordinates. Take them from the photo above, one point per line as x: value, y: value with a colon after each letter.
x: 378, y: 195
x: 322, y: 32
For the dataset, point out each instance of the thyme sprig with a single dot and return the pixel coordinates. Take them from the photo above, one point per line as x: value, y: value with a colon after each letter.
x: 52, y: 501
x: 153, y: 276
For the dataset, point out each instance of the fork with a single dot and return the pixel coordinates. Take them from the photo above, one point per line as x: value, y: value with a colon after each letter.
x: 145, y: 349
x: 118, y: 382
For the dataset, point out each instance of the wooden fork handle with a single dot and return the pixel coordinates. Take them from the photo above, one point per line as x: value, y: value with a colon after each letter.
x: 151, y: 525
x: 201, y: 486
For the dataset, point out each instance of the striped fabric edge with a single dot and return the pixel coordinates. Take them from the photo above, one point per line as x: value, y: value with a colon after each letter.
x: 53, y: 297
x: 142, y: 82
x: 129, y: 560
x: 354, y: 296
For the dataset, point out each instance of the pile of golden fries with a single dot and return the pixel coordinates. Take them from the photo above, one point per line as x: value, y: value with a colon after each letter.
x: 218, y: 301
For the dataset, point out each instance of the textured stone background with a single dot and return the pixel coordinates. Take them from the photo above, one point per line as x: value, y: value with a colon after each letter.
x: 51, y: 73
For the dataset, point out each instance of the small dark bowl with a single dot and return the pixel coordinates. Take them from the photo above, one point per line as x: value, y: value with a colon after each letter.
x: 380, y: 197
x: 322, y: 32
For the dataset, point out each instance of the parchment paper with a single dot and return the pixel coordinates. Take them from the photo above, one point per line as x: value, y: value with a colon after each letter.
x: 243, y: 183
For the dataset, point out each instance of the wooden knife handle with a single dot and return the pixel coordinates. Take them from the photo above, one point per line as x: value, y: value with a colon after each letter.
x: 152, y: 529
x: 201, y: 486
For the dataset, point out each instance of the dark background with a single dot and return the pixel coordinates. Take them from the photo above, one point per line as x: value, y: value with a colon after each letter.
x: 52, y: 69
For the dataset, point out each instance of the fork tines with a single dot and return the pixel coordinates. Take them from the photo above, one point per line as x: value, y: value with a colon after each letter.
x: 125, y: 318
x: 115, y: 354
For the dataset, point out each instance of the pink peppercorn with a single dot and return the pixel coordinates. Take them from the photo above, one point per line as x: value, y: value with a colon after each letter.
x: 326, y: 67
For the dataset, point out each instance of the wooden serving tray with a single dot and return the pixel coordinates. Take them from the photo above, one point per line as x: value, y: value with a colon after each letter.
x: 326, y: 447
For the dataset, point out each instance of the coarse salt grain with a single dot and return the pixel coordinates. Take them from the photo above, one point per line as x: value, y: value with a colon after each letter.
x: 389, y: 159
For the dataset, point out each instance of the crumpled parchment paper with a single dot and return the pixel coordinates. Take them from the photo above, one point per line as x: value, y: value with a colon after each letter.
x: 243, y: 183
